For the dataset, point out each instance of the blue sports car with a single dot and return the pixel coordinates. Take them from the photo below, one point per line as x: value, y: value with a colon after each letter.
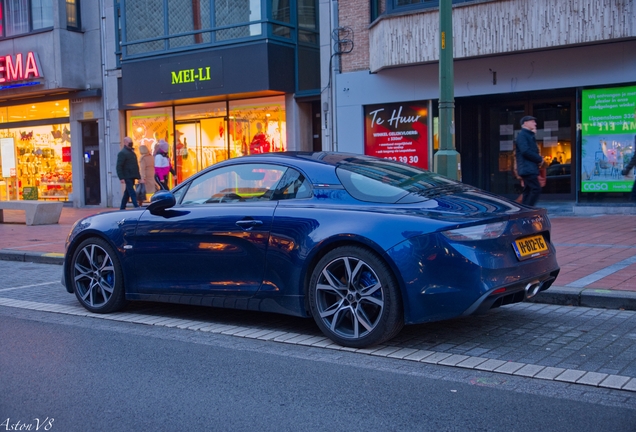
x: 363, y: 245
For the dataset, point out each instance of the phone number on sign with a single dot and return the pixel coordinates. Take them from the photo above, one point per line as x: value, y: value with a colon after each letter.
x: 405, y: 159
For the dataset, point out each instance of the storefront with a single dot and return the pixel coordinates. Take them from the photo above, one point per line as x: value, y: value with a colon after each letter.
x: 585, y: 118
x: 212, y: 105
x: 35, y: 143
x: 200, y: 135
x: 51, y: 121
x: 490, y: 125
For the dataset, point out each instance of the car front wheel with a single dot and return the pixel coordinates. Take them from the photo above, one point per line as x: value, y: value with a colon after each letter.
x: 97, y: 277
x: 354, y: 298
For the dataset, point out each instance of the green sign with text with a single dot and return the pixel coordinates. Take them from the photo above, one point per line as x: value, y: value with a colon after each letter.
x: 191, y: 76
x: 608, y: 138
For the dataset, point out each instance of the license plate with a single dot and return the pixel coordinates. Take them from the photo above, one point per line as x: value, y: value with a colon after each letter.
x: 530, y: 247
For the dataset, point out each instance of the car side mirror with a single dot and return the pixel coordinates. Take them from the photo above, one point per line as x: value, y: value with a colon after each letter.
x: 160, y: 201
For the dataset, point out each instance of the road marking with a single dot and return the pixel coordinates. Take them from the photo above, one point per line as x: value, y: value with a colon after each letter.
x: 572, y: 376
x: 587, y: 280
x: 29, y: 286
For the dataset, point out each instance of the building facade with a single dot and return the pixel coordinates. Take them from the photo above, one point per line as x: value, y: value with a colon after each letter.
x: 570, y: 63
x: 217, y: 80
x: 213, y: 79
x: 51, y: 104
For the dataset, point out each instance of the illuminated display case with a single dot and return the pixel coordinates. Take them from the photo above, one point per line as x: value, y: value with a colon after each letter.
x: 43, y: 160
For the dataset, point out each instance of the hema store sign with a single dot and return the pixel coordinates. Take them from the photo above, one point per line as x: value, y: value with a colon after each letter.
x: 17, y: 68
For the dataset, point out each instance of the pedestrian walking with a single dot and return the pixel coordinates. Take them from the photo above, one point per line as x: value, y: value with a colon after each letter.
x: 147, y: 171
x: 128, y: 172
x: 163, y: 165
x: 627, y: 169
x: 529, y: 160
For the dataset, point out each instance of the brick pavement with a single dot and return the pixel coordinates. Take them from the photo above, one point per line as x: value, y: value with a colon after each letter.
x: 597, y: 252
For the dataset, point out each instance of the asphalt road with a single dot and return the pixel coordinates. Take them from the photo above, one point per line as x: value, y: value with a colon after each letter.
x: 80, y: 372
x: 84, y: 374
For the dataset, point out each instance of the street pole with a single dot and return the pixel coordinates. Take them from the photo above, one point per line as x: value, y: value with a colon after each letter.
x: 446, y: 160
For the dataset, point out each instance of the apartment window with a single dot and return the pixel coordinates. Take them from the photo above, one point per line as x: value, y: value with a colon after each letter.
x: 24, y: 16
x: 378, y: 6
x: 73, y: 15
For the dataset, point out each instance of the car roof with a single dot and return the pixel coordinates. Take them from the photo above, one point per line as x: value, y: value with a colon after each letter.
x: 318, y: 166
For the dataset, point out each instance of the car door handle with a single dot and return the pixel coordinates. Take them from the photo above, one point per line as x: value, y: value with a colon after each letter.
x: 248, y: 224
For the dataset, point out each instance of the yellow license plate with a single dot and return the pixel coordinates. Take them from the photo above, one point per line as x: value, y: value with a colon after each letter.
x: 530, y: 247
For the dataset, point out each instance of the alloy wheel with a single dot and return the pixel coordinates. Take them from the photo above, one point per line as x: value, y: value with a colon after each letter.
x: 349, y: 297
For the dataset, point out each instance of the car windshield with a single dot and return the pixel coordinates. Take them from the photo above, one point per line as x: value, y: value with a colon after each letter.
x: 392, y: 182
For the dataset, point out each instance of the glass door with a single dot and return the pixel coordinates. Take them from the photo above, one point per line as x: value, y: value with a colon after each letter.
x: 504, y: 127
x: 199, y: 144
x: 554, y: 137
x: 187, y: 149
x: 215, y: 141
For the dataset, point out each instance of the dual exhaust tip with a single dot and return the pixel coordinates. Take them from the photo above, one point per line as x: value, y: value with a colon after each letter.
x: 533, y: 288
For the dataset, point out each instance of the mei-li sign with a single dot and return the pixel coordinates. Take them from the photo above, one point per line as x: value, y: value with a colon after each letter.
x: 191, y: 75
x: 19, y: 67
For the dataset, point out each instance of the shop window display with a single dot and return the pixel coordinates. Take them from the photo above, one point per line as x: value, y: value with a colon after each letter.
x: 147, y: 127
x: 258, y: 125
x: 43, y: 162
x: 208, y: 133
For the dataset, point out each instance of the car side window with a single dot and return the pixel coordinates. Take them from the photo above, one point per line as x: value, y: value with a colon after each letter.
x: 236, y: 183
x: 292, y: 185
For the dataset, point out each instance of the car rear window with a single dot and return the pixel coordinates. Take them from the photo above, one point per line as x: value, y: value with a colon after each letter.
x: 386, y: 181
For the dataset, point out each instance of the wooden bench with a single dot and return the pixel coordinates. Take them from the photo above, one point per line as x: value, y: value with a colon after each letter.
x: 37, y: 212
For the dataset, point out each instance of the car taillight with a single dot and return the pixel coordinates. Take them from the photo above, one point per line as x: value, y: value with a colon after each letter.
x: 477, y: 232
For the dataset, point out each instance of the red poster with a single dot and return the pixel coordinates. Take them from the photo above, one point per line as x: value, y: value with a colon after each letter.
x: 66, y: 154
x: 397, y: 131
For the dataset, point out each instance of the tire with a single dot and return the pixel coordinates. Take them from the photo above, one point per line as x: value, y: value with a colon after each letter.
x: 97, y: 277
x: 354, y: 298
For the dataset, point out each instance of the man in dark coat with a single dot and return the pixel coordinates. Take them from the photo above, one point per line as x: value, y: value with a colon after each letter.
x: 128, y: 172
x: 627, y: 169
x: 528, y: 160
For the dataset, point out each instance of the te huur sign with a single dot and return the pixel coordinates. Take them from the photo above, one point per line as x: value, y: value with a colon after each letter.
x: 186, y: 76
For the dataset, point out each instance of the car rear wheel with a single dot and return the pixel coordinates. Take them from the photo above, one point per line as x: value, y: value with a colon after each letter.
x: 97, y: 277
x: 354, y: 298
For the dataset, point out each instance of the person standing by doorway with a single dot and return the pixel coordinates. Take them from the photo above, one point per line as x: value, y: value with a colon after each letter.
x: 529, y: 160
x: 128, y: 172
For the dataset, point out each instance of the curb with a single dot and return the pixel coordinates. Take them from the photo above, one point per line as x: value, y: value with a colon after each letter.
x: 34, y: 257
x: 588, y: 297
x: 556, y: 295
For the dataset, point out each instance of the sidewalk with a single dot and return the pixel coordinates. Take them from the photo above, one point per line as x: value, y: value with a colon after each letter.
x: 596, y: 252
